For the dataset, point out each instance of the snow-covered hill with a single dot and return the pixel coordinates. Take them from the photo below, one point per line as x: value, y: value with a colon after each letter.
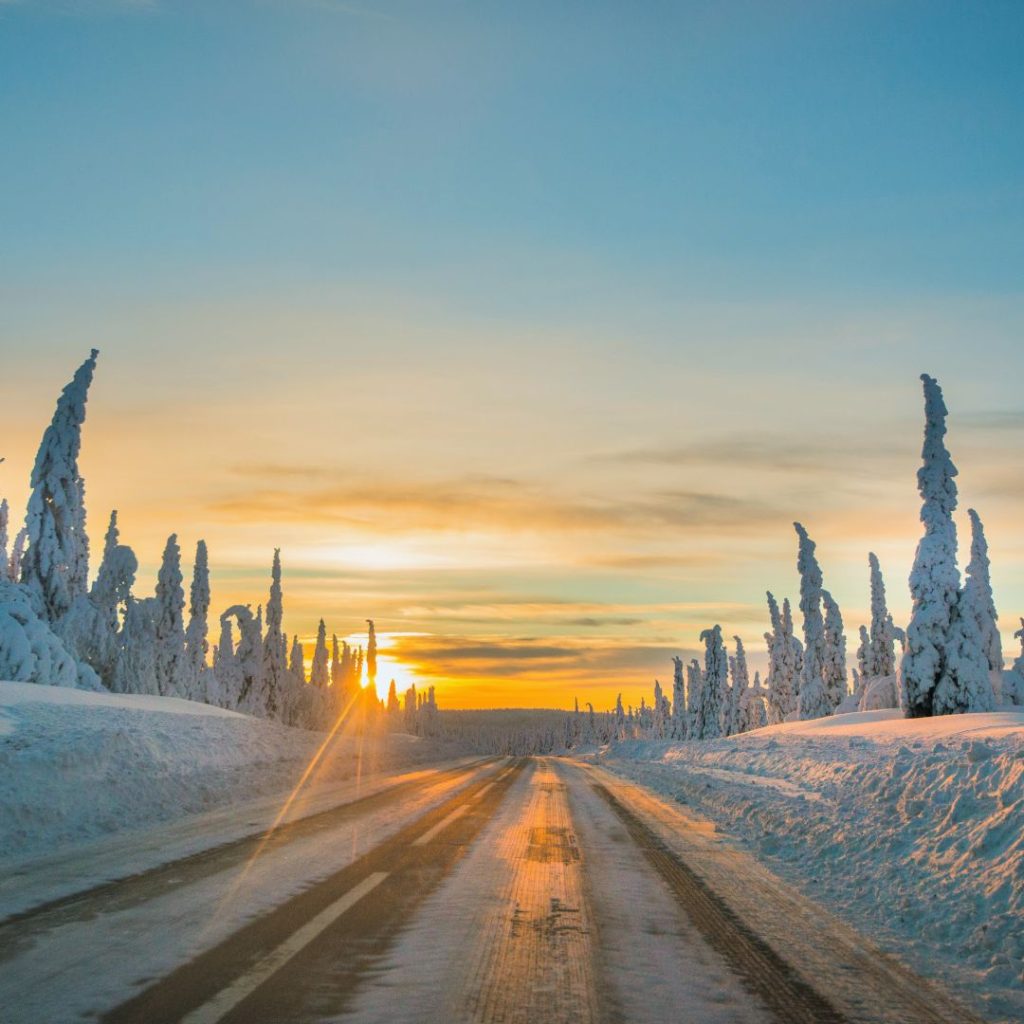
x: 912, y: 828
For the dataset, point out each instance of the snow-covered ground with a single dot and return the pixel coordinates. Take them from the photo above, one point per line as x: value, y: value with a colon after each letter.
x: 912, y: 829
x: 78, y: 766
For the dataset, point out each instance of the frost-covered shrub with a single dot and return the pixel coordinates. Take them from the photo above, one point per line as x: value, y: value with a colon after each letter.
x: 30, y: 652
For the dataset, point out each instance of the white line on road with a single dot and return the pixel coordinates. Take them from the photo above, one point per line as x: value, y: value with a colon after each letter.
x: 442, y: 824
x: 484, y: 790
x: 227, y: 999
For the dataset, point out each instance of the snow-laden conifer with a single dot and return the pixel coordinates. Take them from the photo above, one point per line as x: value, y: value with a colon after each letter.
x: 92, y: 627
x: 834, y: 652
x: 136, y: 668
x: 882, y: 661
x: 716, y: 681
x: 740, y: 684
x: 785, y: 662
x: 694, y: 697
x: 30, y: 652
x: 17, y: 555
x: 371, y: 657
x: 275, y: 644
x: 55, y: 566
x: 319, y: 674
x: 814, y: 699
x: 944, y: 667
x: 297, y: 661
x: 196, y: 642
x: 977, y: 601
x: 5, y: 555
x: 679, y: 730
x: 169, y: 623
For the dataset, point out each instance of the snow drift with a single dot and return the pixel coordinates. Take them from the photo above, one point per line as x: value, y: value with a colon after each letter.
x: 912, y: 828
x: 76, y: 765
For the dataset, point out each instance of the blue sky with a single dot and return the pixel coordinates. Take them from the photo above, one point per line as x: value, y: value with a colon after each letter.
x: 588, y: 267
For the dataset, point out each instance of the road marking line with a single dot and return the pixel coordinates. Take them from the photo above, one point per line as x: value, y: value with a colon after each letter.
x: 484, y: 790
x: 442, y: 824
x: 228, y: 998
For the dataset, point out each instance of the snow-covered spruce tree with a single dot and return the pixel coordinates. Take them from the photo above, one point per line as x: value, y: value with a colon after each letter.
x: 5, y: 556
x: 1013, y: 681
x: 371, y: 657
x: 944, y: 667
x: 337, y: 677
x: 695, y: 698
x: 977, y: 601
x: 17, y: 555
x: 753, y: 710
x: 834, y: 653
x: 814, y: 700
x: 865, y: 656
x: 620, y: 719
x: 882, y: 661
x: 785, y: 662
x: 30, y: 652
x: 394, y: 707
x: 659, y: 721
x: 169, y: 623
x: 136, y: 671
x: 246, y: 671
x: 716, y: 681
x: 275, y: 645
x: 740, y: 684
x: 319, y: 674
x: 297, y: 662
x: 92, y: 626
x: 196, y: 633
x: 678, y: 729
x: 55, y: 567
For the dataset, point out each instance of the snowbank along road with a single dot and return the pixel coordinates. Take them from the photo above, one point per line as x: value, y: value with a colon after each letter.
x: 521, y: 892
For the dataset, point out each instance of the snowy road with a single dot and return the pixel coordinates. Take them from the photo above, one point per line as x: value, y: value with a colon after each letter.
x: 536, y: 891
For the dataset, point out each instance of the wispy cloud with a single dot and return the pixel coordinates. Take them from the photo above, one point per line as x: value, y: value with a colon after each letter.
x: 478, y: 502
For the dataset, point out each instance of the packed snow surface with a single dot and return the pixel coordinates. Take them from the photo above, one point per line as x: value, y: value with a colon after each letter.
x: 911, y: 828
x: 77, y: 766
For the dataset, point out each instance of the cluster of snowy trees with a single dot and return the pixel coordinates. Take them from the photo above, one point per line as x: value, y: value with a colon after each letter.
x: 949, y: 659
x: 56, y: 628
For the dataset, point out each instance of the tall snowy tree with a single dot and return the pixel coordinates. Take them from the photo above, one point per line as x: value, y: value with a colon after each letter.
x: 865, y: 656
x: 944, y: 665
x: 275, y: 644
x: 5, y: 557
x: 679, y: 730
x: 169, y: 656
x: 834, y: 653
x: 371, y: 657
x: 17, y: 555
x: 319, y: 674
x: 297, y: 661
x: 740, y: 684
x: 716, y: 682
x: 753, y: 710
x: 977, y: 601
x: 814, y: 700
x: 55, y: 568
x: 785, y: 662
x: 695, y: 698
x: 93, y: 625
x: 882, y: 660
x: 136, y: 670
x: 196, y: 642
x: 393, y: 704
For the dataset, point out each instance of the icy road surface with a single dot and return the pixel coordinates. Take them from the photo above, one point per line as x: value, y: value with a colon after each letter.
x: 532, y: 891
